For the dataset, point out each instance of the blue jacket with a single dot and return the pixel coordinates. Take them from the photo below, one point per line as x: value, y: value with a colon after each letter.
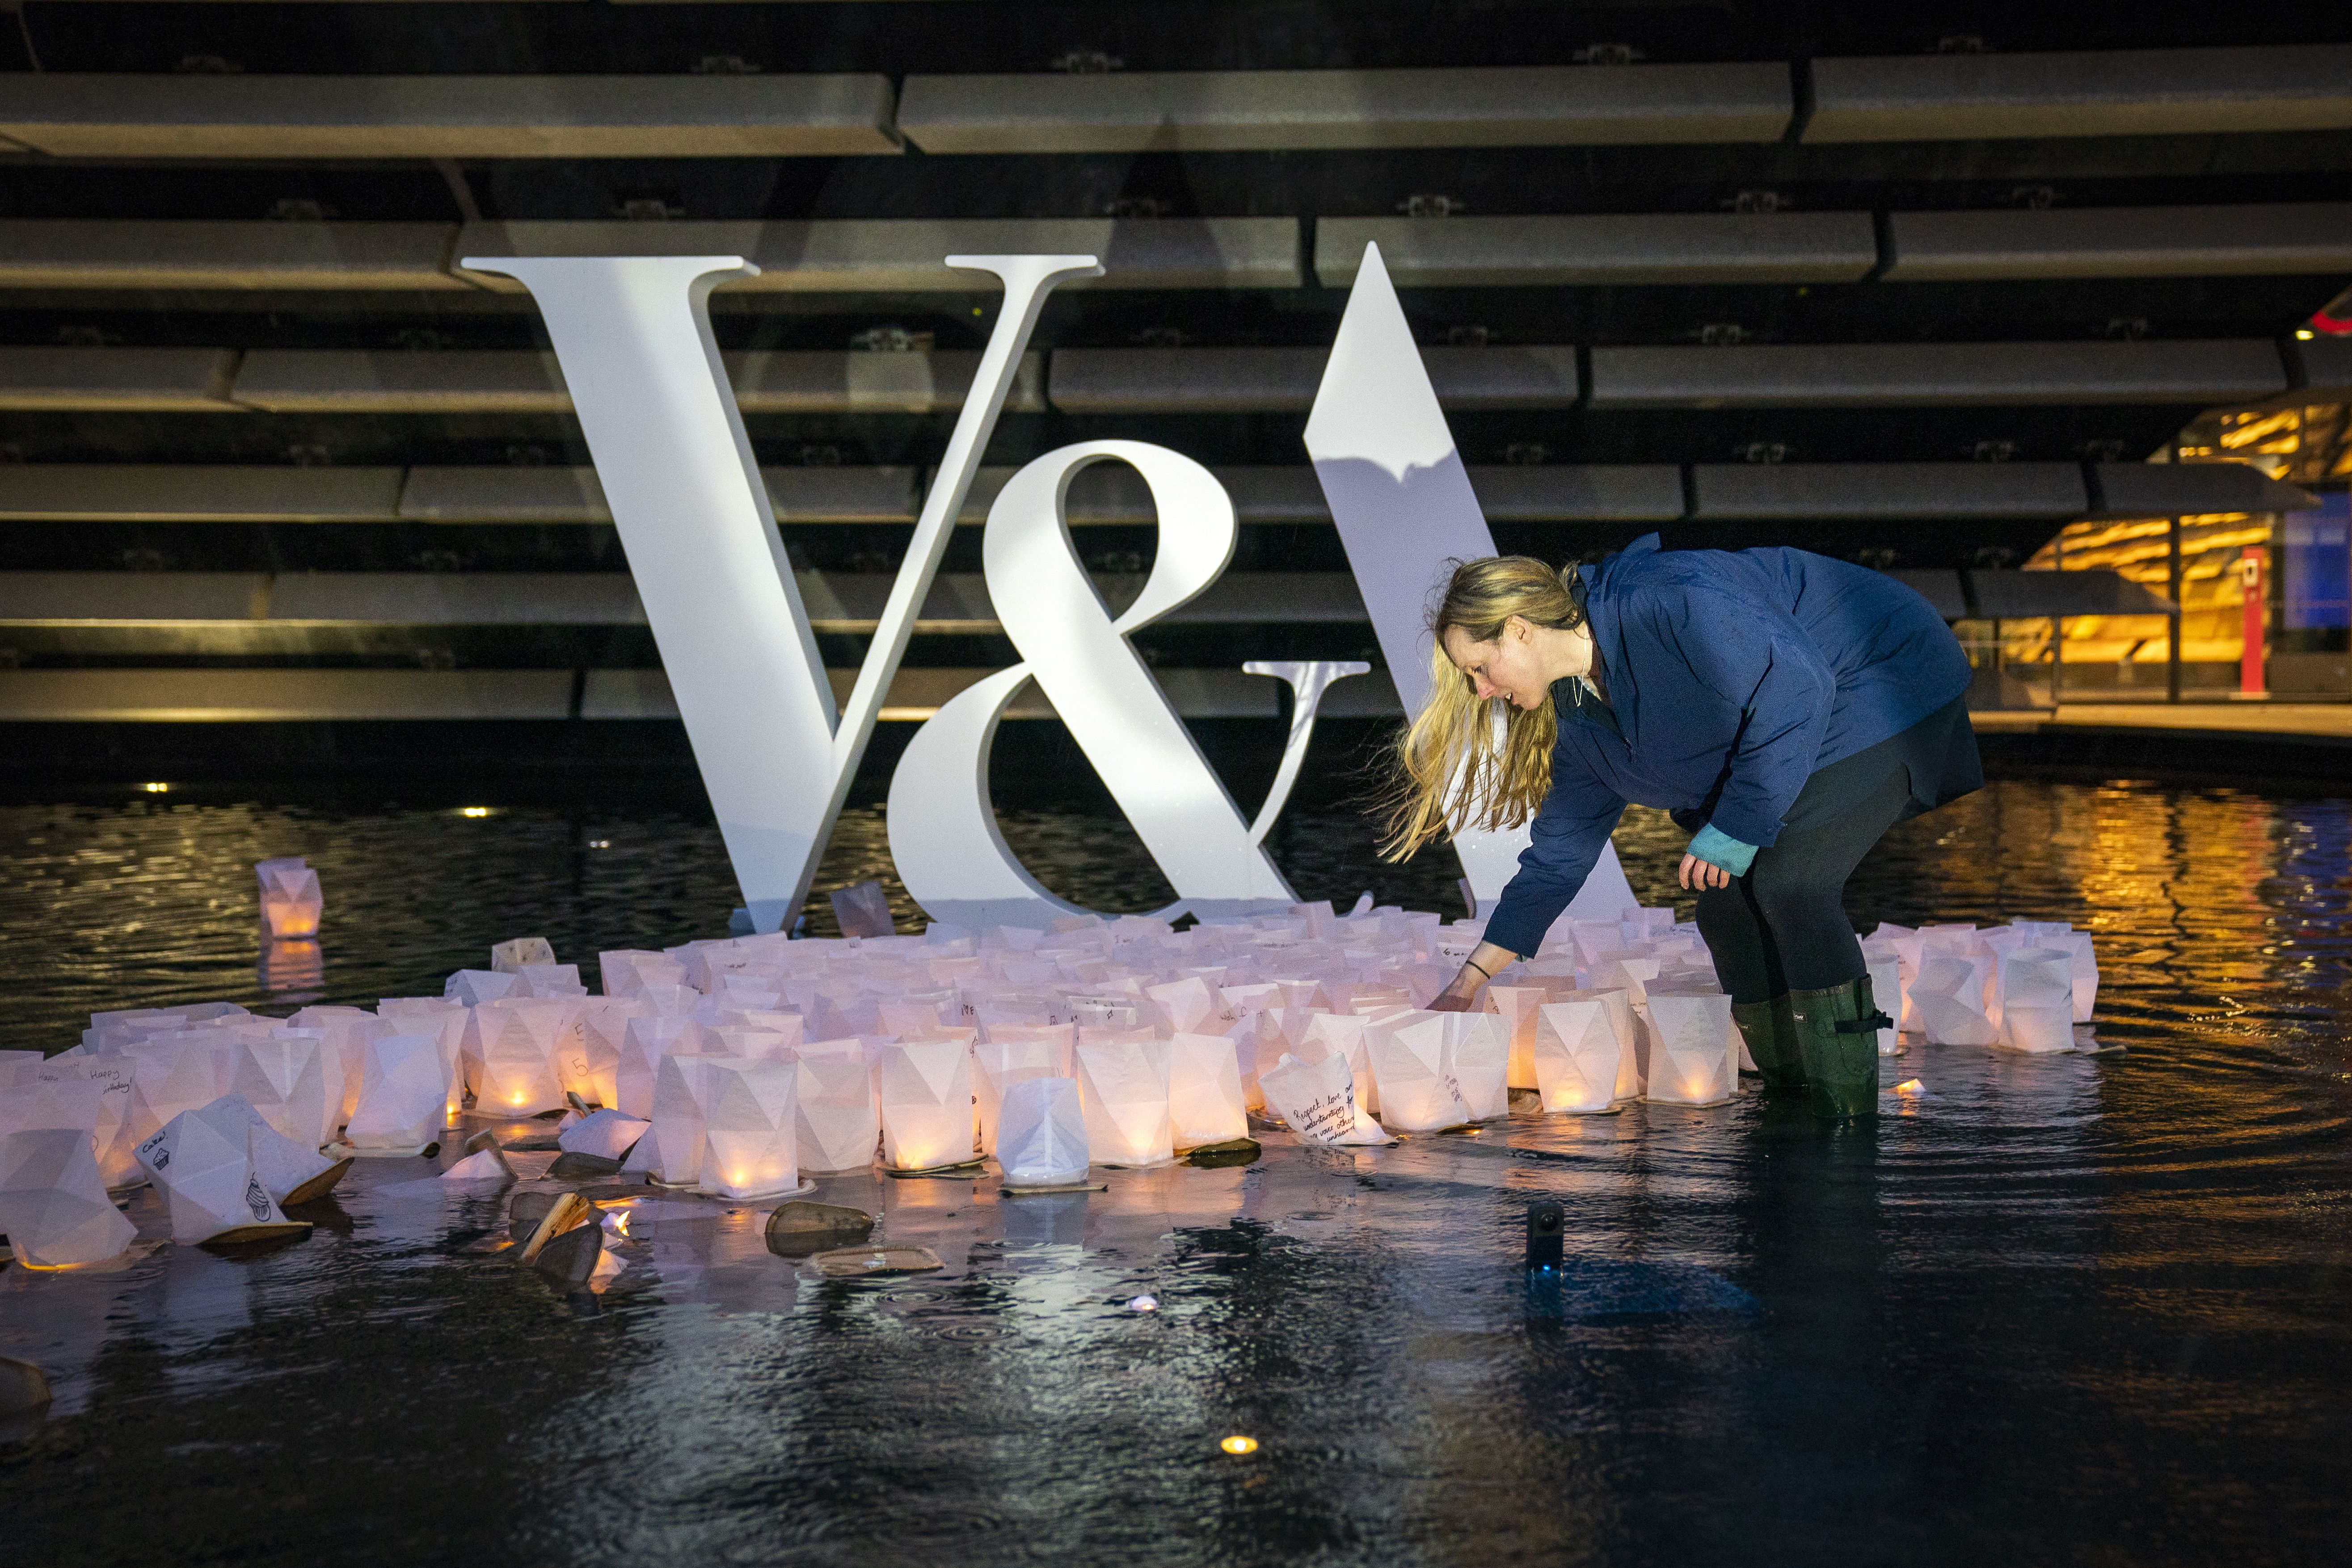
x: 1732, y: 677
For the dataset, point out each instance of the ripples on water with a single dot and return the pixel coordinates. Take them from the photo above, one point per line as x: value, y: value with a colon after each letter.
x: 2059, y: 1308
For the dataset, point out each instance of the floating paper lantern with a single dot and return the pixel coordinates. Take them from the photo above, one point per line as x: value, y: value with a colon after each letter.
x: 287, y: 1169
x: 1191, y: 1007
x: 1949, y: 996
x: 997, y: 1064
x: 838, y: 1122
x: 1343, y: 1035
x: 512, y: 957
x: 284, y: 1078
x: 346, y: 1032
x: 1478, y: 1053
x: 472, y: 987
x: 644, y: 1041
x: 2038, y: 1000
x: 1417, y: 1091
x: 406, y: 1098
x: 680, y: 1124
x: 446, y: 1022
x: 53, y: 1202
x: 1578, y: 1056
x: 1317, y: 1100
x: 925, y: 1090
x: 748, y: 1150
x: 1042, y: 1135
x: 1123, y: 1090
x: 1516, y: 1006
x: 291, y: 902
x: 1204, y: 1091
x: 520, y: 1038
x: 1691, y: 1059
x: 606, y: 1135
x: 203, y: 1162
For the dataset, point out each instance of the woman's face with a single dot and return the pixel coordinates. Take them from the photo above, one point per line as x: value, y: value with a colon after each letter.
x: 1505, y: 668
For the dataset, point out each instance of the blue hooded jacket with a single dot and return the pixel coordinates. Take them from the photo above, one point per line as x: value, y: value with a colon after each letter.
x: 1732, y: 677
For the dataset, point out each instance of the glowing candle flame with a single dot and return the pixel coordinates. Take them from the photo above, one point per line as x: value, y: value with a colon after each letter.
x: 1911, y: 1086
x: 1239, y: 1445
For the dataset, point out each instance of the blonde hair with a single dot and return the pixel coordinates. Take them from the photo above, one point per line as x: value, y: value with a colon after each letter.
x: 1450, y: 769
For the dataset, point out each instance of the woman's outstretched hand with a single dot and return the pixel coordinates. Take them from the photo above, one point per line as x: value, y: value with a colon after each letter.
x: 1696, y: 873
x: 1447, y: 1002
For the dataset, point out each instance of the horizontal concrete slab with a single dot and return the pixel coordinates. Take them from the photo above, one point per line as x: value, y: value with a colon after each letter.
x: 906, y: 255
x: 2121, y: 242
x: 2109, y: 92
x: 917, y: 694
x: 1924, y: 375
x: 1893, y: 492
x: 2323, y: 366
x: 1524, y: 106
x: 251, y: 696
x: 2181, y: 490
x: 337, y: 381
x: 1285, y: 380
x: 574, y: 495
x: 958, y: 604
x: 118, y: 380
x: 2004, y: 595
x: 168, y: 492
x: 188, y: 253
x: 769, y: 115
x: 1594, y: 249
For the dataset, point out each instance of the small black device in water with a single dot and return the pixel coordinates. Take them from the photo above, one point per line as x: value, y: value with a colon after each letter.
x: 1546, y: 1227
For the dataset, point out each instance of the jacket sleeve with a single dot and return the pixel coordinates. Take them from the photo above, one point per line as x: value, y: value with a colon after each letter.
x: 1748, y: 660
x: 1565, y: 839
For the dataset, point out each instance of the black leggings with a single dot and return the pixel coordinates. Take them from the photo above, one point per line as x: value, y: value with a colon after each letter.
x: 1783, y: 926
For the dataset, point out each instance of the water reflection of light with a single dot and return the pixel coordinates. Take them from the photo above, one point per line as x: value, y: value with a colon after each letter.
x: 1239, y: 1445
x: 473, y: 811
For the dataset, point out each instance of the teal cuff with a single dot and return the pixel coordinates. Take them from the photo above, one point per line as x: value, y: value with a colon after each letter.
x: 1718, y: 848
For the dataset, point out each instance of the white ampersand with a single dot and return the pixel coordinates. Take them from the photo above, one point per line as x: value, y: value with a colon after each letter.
x: 943, y: 831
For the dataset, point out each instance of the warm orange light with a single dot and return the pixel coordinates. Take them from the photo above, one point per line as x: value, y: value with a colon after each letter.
x: 155, y: 788
x: 1910, y: 1086
x: 1239, y: 1445
x: 473, y: 811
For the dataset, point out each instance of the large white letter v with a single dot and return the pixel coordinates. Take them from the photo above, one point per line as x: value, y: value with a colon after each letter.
x: 633, y: 334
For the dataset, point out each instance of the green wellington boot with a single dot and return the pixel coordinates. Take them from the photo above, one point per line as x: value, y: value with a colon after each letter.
x: 1837, y: 1037
x: 1771, y: 1030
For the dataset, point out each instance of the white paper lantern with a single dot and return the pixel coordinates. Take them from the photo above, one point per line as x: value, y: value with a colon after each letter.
x: 203, y: 1165
x: 2038, y: 1000
x: 347, y: 1031
x: 291, y: 902
x: 672, y: 1149
x: 997, y: 1065
x: 1478, y: 1053
x: 1578, y: 1056
x: 1316, y: 1101
x: 1204, y: 1091
x: 748, y: 1150
x: 405, y: 1100
x: 607, y: 1134
x: 1123, y: 1090
x: 602, y: 1024
x: 644, y: 1041
x: 443, y: 1020
x: 520, y: 1038
x: 839, y: 1122
x: 925, y: 1090
x: 284, y: 1078
x: 1345, y: 1035
x: 1692, y: 1045
x: 1042, y: 1136
x: 1516, y: 1006
x: 173, y: 1073
x: 53, y: 1205
x: 1949, y: 996
x: 1418, y: 1093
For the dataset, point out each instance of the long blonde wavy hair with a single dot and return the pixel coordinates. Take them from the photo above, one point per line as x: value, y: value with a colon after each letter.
x: 1450, y: 768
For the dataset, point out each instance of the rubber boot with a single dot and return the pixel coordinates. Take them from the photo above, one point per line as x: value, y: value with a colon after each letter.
x: 1771, y: 1030
x: 1837, y: 1037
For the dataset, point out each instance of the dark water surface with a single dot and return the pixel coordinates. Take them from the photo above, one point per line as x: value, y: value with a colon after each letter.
x: 2080, y: 1309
